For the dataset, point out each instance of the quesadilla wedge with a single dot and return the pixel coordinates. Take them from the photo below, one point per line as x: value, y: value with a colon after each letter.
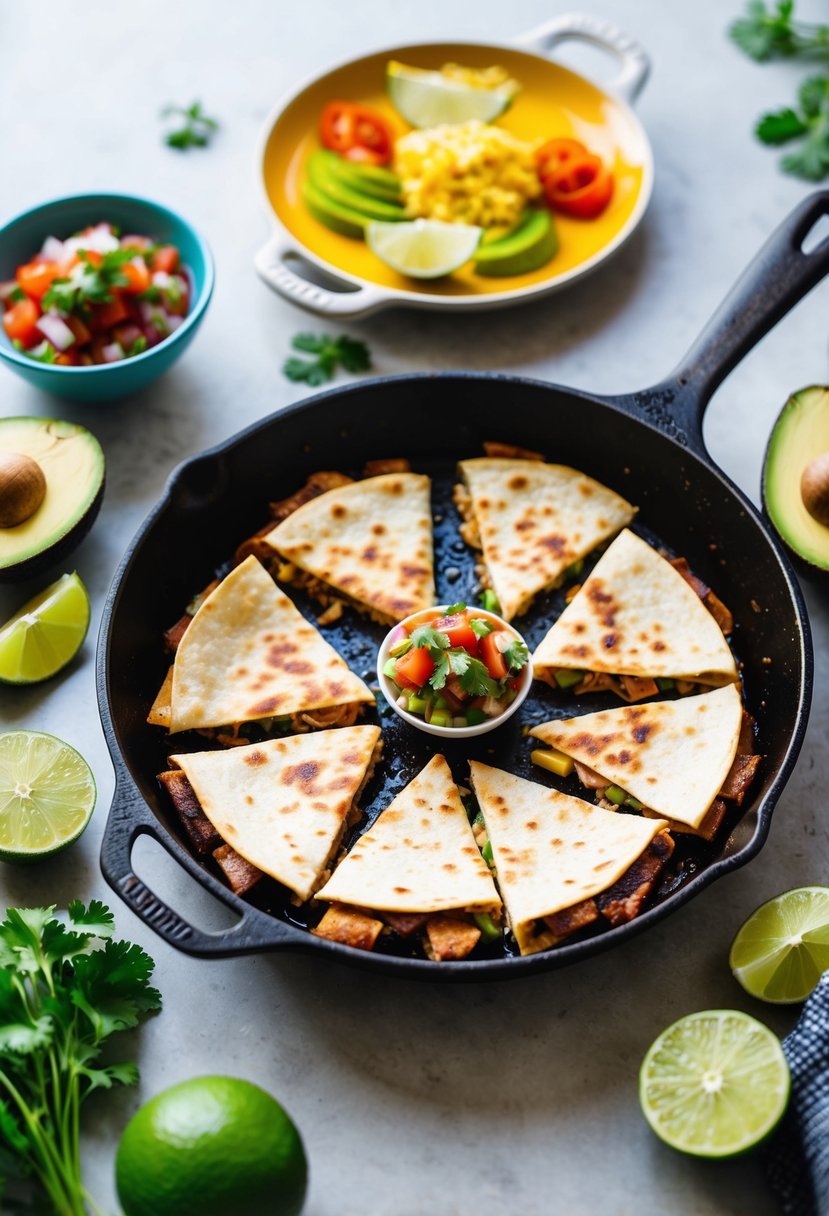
x: 282, y: 805
x: 533, y: 521
x: 561, y: 863
x: 417, y: 868
x: 250, y: 656
x: 635, y: 620
x: 677, y: 759
x: 368, y: 543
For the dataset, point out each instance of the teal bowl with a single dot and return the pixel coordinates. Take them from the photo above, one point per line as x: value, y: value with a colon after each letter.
x: 22, y: 237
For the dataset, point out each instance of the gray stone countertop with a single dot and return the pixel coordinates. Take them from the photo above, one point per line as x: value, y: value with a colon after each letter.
x: 514, y: 1098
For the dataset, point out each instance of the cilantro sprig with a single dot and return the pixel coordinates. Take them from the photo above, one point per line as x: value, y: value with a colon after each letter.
x: 472, y: 674
x: 90, y: 282
x: 766, y: 33
x: 65, y: 988
x: 197, y: 127
x: 331, y: 353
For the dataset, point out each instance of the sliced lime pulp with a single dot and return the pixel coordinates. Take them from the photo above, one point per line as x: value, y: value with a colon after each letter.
x: 47, y: 795
x: 428, y: 99
x: 714, y: 1084
x: 46, y: 633
x: 782, y: 950
x: 423, y: 249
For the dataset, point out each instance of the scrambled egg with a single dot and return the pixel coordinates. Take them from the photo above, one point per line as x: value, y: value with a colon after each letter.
x: 471, y: 173
x: 481, y: 78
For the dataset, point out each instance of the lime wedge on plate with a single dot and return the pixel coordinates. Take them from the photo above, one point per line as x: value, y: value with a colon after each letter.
x: 782, y: 949
x: 423, y: 249
x: 46, y: 633
x: 428, y: 99
x: 47, y: 795
x: 714, y: 1084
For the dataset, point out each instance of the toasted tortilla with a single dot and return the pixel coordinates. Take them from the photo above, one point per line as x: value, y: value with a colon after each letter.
x: 370, y: 540
x: 418, y: 856
x: 637, y: 616
x: 535, y: 520
x: 672, y: 755
x: 249, y: 653
x: 552, y: 851
x: 283, y: 804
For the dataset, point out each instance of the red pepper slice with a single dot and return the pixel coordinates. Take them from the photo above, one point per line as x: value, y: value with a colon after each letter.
x: 556, y: 153
x: 581, y: 187
x: 357, y: 132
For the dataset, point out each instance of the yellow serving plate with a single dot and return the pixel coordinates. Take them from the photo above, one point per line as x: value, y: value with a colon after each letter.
x: 336, y: 275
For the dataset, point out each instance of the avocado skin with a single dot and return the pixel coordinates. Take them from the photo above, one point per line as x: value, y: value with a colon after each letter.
x: 54, y: 554
x: 804, y: 566
x: 528, y: 247
x: 339, y: 190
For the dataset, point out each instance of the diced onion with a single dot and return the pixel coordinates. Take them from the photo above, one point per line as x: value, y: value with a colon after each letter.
x: 56, y: 330
x: 398, y: 634
x: 173, y: 322
x: 101, y: 240
x: 112, y: 352
x: 54, y: 250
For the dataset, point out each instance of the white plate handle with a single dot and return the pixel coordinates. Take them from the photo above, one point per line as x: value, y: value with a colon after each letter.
x: 271, y: 266
x: 634, y: 64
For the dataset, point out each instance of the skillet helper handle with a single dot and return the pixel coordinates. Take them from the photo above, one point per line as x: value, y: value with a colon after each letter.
x: 352, y: 303
x: 129, y: 818
x: 777, y: 278
x: 634, y: 64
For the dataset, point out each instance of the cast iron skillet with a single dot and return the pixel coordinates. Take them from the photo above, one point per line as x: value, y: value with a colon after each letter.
x: 648, y: 445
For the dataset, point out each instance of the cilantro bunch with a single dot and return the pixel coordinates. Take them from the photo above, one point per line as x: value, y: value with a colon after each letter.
x: 65, y: 988
x: 330, y: 353
x: 472, y: 674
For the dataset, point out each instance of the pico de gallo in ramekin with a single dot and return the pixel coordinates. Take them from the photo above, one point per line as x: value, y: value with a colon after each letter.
x: 97, y: 297
x: 455, y: 668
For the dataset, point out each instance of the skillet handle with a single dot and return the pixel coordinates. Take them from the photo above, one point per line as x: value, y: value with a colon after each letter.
x: 777, y: 278
x: 634, y: 64
x: 129, y: 818
x: 352, y: 302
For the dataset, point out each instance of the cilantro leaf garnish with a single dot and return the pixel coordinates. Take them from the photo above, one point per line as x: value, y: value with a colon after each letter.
x: 330, y: 353
x: 810, y: 160
x: 197, y: 130
x: 479, y: 626
x: 516, y: 654
x: 90, y: 282
x: 425, y: 635
x: 65, y: 987
x: 772, y: 33
x: 454, y: 609
x: 473, y: 675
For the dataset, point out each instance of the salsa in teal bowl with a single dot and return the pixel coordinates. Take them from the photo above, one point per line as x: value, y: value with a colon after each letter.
x: 21, y: 239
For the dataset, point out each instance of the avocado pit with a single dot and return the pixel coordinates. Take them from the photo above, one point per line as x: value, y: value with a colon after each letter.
x: 814, y: 488
x: 22, y: 488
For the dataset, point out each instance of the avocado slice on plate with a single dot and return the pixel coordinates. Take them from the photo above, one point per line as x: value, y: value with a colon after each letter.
x: 796, y: 477
x: 341, y: 192
x: 530, y: 245
x: 51, y: 489
x: 366, y: 179
x: 334, y: 215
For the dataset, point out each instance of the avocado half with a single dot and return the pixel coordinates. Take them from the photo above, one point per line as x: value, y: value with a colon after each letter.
x: 799, y: 436
x: 72, y: 463
x: 346, y: 197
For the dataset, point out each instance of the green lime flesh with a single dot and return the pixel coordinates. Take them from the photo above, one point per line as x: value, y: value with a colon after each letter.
x: 527, y: 247
x: 211, y: 1146
x: 782, y: 950
x: 714, y: 1084
x: 46, y: 633
x: 47, y: 795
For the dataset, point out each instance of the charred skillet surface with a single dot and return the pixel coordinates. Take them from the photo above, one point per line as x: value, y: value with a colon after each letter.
x: 685, y: 504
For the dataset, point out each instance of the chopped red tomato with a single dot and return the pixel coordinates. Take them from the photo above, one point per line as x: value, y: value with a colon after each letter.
x: 459, y: 631
x: 165, y: 258
x: 357, y: 132
x: 20, y: 321
x: 137, y: 274
x: 35, y: 278
x: 556, y: 153
x: 580, y: 186
x: 104, y: 316
x: 492, y: 657
x: 414, y: 668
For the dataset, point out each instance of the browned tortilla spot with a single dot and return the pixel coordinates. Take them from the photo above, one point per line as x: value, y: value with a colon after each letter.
x: 401, y: 890
x: 395, y: 487
x: 640, y: 733
x: 298, y: 667
x: 610, y: 640
x: 449, y: 866
x: 557, y: 543
x: 263, y: 709
x: 518, y: 482
x: 338, y: 511
x: 303, y: 774
x: 255, y: 758
x: 369, y: 554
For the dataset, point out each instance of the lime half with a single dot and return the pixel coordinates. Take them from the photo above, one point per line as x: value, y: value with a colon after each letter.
x: 714, y: 1084
x: 47, y: 795
x: 423, y: 249
x: 782, y: 950
x: 46, y: 633
x: 428, y: 99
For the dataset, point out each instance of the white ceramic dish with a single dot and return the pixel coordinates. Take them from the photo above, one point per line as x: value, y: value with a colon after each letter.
x: 449, y: 732
x: 317, y: 283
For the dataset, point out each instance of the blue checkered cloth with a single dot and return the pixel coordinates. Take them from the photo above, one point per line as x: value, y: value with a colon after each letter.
x: 797, y: 1159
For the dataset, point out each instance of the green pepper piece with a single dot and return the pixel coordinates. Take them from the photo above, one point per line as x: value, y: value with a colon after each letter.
x: 615, y: 793
x: 474, y: 717
x: 665, y: 683
x: 417, y: 705
x: 489, y: 930
x: 486, y: 852
x: 390, y: 669
x: 490, y: 602
x: 633, y: 803
x: 440, y: 717
x: 567, y: 678
x: 440, y: 702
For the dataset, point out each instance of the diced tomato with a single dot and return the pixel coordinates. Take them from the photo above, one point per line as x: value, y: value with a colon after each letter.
x: 581, y: 187
x: 137, y: 274
x: 67, y: 359
x: 139, y: 243
x: 92, y: 256
x: 20, y: 320
x: 81, y: 331
x: 556, y: 153
x: 104, y: 316
x: 492, y: 657
x: 414, y: 668
x: 35, y: 278
x: 357, y: 132
x: 166, y: 258
x: 459, y: 631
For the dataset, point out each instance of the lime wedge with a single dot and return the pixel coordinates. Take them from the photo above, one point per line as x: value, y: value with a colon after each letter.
x: 47, y: 795
x: 423, y: 249
x: 428, y: 99
x: 782, y: 949
x: 714, y: 1084
x: 46, y: 633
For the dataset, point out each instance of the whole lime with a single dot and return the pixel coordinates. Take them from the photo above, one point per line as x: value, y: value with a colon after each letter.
x: 209, y: 1147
